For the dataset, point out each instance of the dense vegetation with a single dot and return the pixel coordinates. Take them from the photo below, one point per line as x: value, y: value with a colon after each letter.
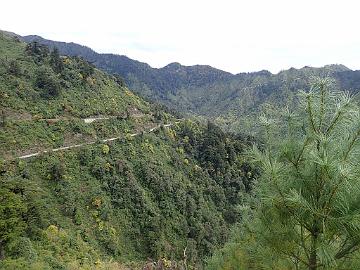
x: 169, y: 195
x: 138, y: 199
x: 232, y: 101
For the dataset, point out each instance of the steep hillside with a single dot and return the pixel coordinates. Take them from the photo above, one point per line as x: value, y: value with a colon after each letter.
x: 128, y: 184
x: 229, y: 100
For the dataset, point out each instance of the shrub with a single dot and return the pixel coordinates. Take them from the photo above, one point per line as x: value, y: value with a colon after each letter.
x: 99, y: 167
x: 48, y: 83
x: 105, y: 149
x: 86, y: 69
x: 14, y: 68
x: 38, y: 51
x: 56, y: 171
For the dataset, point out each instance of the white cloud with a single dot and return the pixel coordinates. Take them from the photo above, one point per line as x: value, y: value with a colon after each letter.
x: 234, y: 35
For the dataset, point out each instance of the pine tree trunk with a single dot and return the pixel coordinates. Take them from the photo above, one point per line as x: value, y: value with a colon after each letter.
x: 2, y: 251
x: 313, y: 253
x: 312, y: 261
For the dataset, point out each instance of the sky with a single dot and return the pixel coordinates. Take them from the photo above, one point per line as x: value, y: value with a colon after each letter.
x: 235, y: 36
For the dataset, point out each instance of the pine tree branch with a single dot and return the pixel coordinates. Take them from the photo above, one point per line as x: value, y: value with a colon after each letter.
x: 322, y: 104
x: 302, y: 152
x: 351, y: 145
x: 303, y: 244
x: 311, y: 114
x: 342, y: 179
x: 336, y: 119
x: 326, y: 207
x: 349, y: 249
x: 299, y: 258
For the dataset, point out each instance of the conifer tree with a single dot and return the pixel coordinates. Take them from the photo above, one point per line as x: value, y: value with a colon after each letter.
x: 309, y: 212
x: 55, y: 61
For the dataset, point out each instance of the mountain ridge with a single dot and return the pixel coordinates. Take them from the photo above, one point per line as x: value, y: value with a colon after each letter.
x: 30, y: 38
x: 231, y: 100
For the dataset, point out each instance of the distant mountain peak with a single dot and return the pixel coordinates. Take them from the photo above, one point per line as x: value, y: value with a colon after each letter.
x: 337, y: 67
x: 263, y: 72
x: 34, y: 37
x: 173, y: 64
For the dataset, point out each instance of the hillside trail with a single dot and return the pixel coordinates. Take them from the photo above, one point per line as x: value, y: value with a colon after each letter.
x: 88, y: 120
x: 93, y: 142
x: 25, y: 116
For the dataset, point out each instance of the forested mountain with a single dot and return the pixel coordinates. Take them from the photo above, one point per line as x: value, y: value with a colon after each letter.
x: 92, y: 176
x: 159, y: 82
x: 229, y: 100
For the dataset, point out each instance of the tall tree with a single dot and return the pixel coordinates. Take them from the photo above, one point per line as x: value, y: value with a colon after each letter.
x: 55, y: 61
x: 309, y: 211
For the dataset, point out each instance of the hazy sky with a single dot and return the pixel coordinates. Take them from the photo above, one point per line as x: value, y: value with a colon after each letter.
x: 235, y: 36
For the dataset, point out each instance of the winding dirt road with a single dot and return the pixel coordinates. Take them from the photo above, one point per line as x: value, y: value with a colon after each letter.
x: 92, y: 142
